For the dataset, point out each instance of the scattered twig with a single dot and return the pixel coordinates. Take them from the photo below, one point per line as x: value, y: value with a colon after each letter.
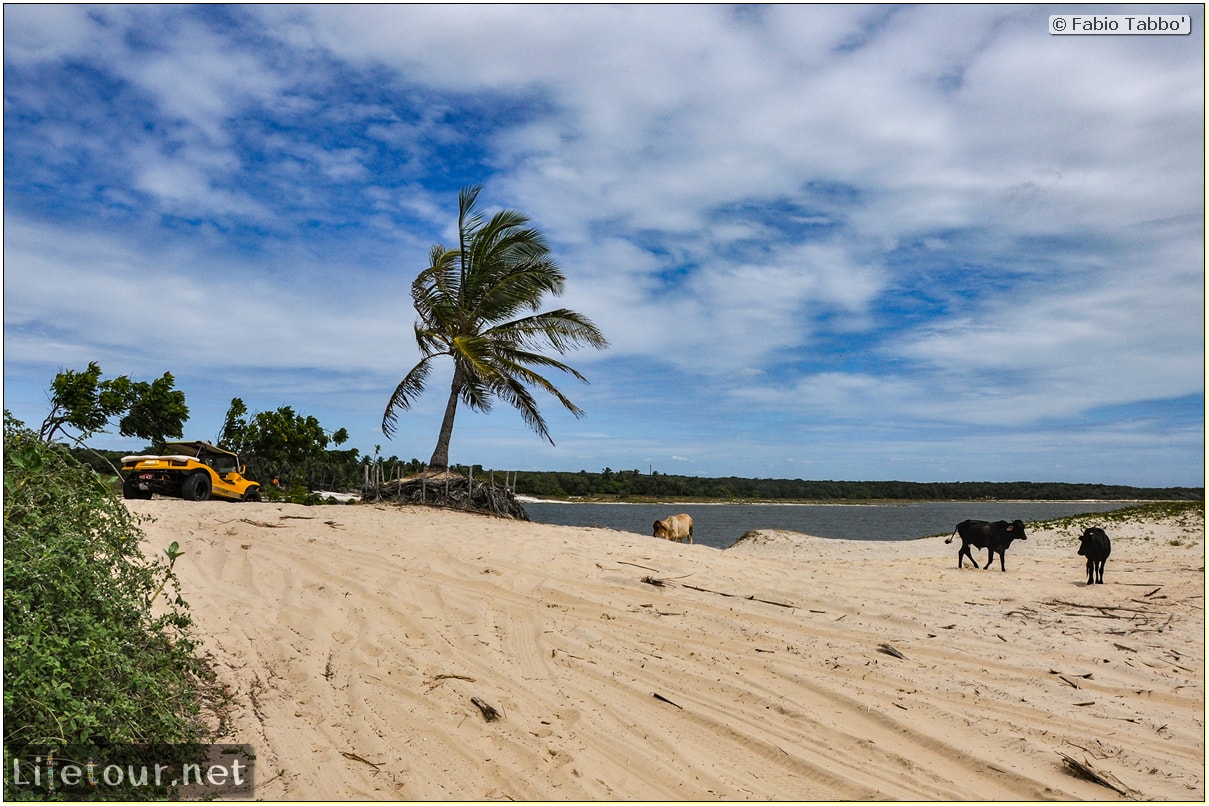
x: 1084, y: 769
x: 889, y: 650
x: 1092, y: 753
x: 659, y: 583
x: 263, y: 524
x: 662, y: 698
x: 770, y: 601
x: 442, y: 677
x: 1101, y: 608
x: 1068, y: 681
x: 356, y: 757
x: 736, y: 596
x: 489, y: 713
x: 636, y: 565
x: 707, y: 590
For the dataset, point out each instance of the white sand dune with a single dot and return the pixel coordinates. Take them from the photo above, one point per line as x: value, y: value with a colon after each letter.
x: 356, y: 641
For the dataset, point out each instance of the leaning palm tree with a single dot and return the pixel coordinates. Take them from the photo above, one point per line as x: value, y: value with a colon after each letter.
x: 468, y: 301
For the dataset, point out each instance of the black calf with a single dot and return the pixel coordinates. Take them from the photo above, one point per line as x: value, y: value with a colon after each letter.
x: 1095, y: 547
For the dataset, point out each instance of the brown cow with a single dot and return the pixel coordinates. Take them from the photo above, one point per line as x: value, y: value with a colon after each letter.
x: 676, y: 527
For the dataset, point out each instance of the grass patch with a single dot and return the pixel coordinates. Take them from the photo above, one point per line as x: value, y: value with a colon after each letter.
x: 1182, y: 513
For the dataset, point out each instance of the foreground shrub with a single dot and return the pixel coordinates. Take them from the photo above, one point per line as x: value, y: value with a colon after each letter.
x: 88, y: 662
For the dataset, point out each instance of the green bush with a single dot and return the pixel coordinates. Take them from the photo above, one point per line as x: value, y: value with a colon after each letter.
x: 88, y: 661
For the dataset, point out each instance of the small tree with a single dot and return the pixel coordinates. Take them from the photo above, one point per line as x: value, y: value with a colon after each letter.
x: 81, y: 400
x: 234, y: 433
x: 157, y: 411
x: 278, y: 442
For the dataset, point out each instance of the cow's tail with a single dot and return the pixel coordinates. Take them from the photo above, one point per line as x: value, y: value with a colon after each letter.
x: 949, y: 539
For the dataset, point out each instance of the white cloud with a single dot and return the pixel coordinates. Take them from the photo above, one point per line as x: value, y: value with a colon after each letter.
x: 896, y: 214
x: 183, y: 310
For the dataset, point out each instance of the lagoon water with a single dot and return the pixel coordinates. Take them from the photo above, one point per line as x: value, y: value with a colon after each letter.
x: 720, y: 525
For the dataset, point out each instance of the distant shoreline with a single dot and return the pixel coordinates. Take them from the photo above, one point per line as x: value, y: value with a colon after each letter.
x: 528, y: 499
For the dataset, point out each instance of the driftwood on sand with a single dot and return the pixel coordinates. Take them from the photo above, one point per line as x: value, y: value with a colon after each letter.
x: 450, y: 490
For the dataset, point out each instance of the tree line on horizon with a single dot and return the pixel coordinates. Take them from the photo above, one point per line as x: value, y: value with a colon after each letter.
x: 297, y: 452
x: 635, y: 484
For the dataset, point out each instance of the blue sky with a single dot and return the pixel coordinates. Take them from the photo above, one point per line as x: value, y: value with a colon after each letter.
x: 924, y: 243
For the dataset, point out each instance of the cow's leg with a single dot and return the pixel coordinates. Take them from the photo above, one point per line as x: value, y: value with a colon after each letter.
x: 990, y: 558
x: 1091, y: 571
x: 964, y: 552
x: 1100, y: 572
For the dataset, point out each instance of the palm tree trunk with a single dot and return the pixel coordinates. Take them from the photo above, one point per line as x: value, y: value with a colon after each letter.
x: 440, y: 454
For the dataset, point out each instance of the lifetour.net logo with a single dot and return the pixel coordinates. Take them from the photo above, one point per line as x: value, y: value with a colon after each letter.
x: 134, y: 772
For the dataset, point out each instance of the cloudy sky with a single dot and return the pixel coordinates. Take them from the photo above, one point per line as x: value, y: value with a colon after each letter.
x: 839, y: 242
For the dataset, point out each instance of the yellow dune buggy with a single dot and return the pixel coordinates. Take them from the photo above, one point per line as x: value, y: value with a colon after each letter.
x: 194, y: 471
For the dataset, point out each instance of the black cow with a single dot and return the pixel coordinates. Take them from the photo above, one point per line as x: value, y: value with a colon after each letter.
x: 994, y: 537
x: 1094, y: 545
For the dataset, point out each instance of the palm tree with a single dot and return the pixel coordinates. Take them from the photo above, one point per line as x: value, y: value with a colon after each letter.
x: 468, y: 301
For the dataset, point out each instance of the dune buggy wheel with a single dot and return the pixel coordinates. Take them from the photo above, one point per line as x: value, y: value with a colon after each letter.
x: 196, y: 488
x: 252, y: 495
x: 130, y: 490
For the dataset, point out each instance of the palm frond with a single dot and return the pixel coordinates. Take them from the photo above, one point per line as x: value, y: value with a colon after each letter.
x: 562, y: 329
x: 430, y: 341
x: 516, y: 395
x: 469, y: 219
x: 513, y: 361
x: 474, y: 357
x: 521, y: 372
x: 493, y: 241
x: 408, y: 390
x: 436, y: 290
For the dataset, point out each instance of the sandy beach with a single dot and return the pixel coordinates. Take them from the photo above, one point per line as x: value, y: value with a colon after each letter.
x: 365, y: 647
